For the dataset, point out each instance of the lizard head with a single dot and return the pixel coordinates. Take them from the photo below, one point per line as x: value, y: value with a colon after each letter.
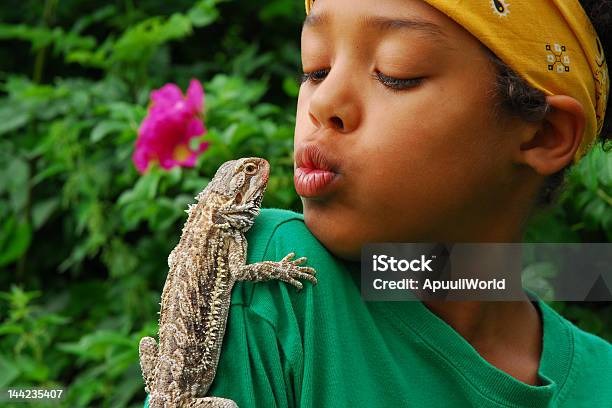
x: 239, y: 185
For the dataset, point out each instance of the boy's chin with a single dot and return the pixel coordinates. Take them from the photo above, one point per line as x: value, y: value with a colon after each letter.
x: 335, y: 234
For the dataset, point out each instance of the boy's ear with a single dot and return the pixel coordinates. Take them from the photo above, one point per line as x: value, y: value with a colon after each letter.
x: 554, y: 143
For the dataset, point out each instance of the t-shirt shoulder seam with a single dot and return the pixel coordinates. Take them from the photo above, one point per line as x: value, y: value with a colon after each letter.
x: 265, y: 251
x: 256, y: 313
x: 249, y: 309
x: 570, y: 376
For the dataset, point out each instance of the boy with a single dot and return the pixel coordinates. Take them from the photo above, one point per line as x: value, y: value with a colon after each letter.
x: 399, y: 137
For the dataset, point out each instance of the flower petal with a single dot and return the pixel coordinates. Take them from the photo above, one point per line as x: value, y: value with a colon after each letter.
x: 195, y: 127
x: 140, y: 159
x: 195, y: 96
x: 167, y: 95
x: 203, y: 146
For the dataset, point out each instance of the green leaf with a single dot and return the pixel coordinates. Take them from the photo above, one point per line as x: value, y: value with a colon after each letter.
x: 48, y: 172
x: 204, y: 13
x: 12, y: 117
x: 31, y: 369
x: 99, y: 15
x: 39, y: 37
x: 8, y: 371
x: 11, y: 328
x: 105, y: 128
x: 273, y: 10
x: 147, y: 185
x: 17, y: 178
x: 605, y: 173
x: 42, y: 210
x: 589, y: 170
x: 139, y: 43
x: 593, y: 213
x: 15, y: 238
x: 95, y: 345
x: 130, y: 384
x: 291, y: 87
x: 536, y: 277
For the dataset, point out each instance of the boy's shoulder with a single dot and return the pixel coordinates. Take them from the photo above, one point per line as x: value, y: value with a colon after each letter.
x: 583, y: 342
x: 593, y: 353
x: 270, y: 219
x: 275, y: 233
x: 589, y: 358
x: 276, y: 230
x: 276, y: 216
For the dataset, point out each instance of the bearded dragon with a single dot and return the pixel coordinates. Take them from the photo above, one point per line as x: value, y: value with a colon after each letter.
x: 208, y: 260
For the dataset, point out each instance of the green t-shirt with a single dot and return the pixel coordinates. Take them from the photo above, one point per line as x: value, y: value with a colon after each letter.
x: 325, y: 347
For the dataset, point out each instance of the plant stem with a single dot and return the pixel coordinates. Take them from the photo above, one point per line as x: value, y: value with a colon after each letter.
x: 39, y: 63
x: 602, y: 194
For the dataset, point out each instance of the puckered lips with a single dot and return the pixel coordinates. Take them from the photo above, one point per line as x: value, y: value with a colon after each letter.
x: 316, y: 171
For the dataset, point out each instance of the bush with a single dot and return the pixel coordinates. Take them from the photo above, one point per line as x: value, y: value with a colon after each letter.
x: 84, y: 237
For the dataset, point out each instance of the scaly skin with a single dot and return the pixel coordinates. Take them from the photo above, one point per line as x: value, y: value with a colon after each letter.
x: 208, y: 260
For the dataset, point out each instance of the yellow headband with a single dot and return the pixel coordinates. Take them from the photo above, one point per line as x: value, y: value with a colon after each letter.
x: 551, y: 44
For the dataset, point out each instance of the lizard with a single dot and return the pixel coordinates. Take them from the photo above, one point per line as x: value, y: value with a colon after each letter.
x: 208, y: 260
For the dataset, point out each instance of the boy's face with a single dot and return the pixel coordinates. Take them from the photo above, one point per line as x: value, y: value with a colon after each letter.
x: 427, y: 163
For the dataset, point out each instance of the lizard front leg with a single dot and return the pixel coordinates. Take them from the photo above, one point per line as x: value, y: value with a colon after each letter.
x: 285, y: 270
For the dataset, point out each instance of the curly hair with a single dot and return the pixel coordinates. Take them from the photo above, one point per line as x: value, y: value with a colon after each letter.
x: 518, y: 98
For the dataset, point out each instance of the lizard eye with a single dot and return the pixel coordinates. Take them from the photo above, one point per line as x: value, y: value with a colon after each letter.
x: 250, y: 169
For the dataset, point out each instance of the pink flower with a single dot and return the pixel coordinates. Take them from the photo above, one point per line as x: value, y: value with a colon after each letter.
x: 172, y: 121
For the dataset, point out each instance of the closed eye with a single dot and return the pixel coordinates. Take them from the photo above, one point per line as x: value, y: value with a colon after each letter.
x: 389, y: 81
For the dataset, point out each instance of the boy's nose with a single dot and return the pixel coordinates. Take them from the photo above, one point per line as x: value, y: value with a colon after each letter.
x: 323, y: 115
x: 334, y: 104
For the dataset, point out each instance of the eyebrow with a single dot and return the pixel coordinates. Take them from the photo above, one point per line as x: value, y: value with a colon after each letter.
x: 382, y: 23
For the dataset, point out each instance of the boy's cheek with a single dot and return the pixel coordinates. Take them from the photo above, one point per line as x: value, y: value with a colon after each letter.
x: 390, y: 201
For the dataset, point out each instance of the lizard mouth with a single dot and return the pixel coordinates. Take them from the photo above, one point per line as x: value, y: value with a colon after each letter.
x: 258, y: 199
x: 253, y: 198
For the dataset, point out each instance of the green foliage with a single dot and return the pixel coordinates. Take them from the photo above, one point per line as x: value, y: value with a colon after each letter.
x: 84, y: 239
x: 82, y: 230
x: 584, y: 210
